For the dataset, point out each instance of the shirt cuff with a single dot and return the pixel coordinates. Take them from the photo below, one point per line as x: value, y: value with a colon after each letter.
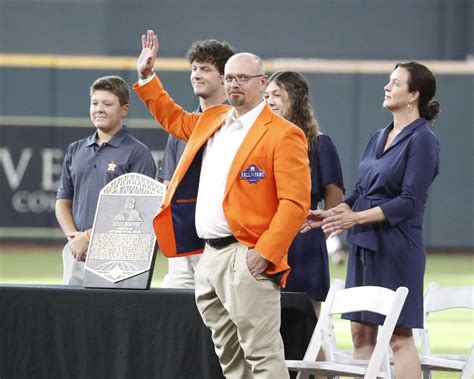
x: 142, y: 82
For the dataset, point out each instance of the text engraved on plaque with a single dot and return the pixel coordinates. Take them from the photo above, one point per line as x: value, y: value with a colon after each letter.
x: 126, y: 247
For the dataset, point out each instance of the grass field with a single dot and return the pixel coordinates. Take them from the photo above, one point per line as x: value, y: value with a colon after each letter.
x: 451, y: 332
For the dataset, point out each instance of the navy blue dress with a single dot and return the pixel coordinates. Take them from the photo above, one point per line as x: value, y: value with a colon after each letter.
x: 392, y: 253
x: 308, y: 255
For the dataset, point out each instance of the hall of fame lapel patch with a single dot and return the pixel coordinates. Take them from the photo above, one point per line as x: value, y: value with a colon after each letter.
x: 252, y: 174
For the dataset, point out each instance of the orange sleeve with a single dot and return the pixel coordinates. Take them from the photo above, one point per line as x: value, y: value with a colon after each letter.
x: 166, y: 112
x: 293, y: 186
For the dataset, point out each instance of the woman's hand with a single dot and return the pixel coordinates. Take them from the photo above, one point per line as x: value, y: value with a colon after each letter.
x: 342, y: 218
x: 314, y: 220
x: 315, y: 217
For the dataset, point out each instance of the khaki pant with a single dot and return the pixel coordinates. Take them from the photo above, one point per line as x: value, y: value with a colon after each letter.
x: 181, y: 272
x: 243, y: 314
x: 73, y: 271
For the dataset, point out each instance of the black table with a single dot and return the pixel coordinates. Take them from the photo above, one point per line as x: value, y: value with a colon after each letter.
x: 68, y: 332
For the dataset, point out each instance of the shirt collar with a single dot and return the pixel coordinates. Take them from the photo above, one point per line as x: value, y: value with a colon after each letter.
x: 91, y: 139
x: 407, y: 129
x: 382, y: 138
x: 115, y: 141
x: 247, y: 119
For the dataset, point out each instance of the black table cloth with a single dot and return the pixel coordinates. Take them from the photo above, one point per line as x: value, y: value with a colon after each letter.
x: 68, y: 332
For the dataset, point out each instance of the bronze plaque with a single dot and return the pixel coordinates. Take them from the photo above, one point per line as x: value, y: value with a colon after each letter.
x: 123, y: 247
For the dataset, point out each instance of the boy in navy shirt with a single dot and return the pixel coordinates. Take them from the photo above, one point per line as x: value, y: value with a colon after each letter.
x: 91, y: 163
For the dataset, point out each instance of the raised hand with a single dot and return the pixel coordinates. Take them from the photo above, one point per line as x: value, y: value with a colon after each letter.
x: 147, y: 57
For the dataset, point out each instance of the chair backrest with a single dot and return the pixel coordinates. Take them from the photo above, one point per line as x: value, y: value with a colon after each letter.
x: 368, y: 298
x: 438, y: 299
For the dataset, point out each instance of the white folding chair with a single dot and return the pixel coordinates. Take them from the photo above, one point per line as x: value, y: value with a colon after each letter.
x: 439, y: 299
x: 338, y: 301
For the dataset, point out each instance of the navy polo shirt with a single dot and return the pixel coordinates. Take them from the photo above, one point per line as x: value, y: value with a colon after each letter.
x: 173, y: 152
x: 88, y: 167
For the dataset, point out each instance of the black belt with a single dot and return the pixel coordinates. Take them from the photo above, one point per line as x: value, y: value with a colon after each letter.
x: 219, y: 243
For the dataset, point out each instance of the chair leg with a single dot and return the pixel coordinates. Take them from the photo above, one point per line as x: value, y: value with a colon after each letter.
x: 468, y: 369
x: 426, y: 373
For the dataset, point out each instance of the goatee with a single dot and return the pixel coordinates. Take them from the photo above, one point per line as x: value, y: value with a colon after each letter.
x: 236, y: 100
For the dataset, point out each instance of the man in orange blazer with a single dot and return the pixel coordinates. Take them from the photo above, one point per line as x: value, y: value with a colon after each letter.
x: 240, y: 193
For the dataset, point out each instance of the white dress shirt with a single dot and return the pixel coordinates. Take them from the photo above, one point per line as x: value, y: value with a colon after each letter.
x: 218, y: 156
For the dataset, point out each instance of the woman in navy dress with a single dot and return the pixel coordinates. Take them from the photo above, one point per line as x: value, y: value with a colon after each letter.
x: 384, y: 216
x: 288, y: 95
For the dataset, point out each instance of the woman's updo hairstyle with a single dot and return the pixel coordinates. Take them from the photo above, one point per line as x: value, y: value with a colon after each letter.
x: 423, y: 81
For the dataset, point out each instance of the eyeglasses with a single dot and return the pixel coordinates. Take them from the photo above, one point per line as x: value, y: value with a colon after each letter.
x: 240, y: 79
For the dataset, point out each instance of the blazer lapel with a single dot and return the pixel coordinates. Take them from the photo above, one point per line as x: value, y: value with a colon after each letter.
x: 256, y: 132
x: 195, y: 143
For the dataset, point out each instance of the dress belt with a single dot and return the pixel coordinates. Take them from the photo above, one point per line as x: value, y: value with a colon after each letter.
x: 220, y: 243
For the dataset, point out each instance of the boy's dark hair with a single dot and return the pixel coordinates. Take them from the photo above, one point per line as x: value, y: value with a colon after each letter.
x: 113, y: 84
x: 210, y: 51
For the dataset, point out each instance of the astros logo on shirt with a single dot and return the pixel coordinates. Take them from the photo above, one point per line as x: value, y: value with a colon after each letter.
x: 111, y: 167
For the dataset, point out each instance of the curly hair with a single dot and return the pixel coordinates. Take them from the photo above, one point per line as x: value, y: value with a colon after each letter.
x: 113, y: 84
x: 210, y: 51
x: 301, y: 111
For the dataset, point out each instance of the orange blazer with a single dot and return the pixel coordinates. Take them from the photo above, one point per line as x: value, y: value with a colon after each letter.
x: 264, y: 211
